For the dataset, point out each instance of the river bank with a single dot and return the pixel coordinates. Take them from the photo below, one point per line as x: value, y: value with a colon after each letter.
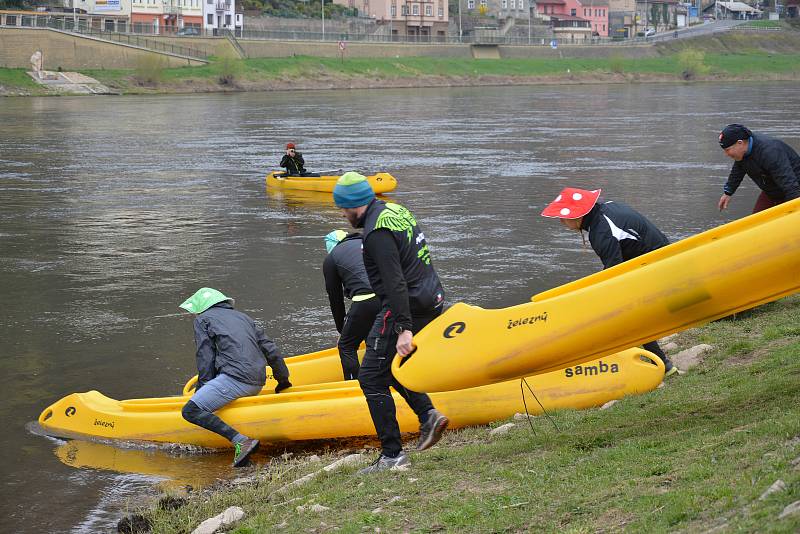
x: 729, y: 58
x: 700, y: 453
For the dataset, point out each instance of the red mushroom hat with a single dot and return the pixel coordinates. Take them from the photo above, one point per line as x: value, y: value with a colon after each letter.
x: 572, y: 203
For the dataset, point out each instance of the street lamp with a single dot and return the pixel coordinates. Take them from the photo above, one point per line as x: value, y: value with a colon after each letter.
x: 459, y: 20
x: 323, y: 20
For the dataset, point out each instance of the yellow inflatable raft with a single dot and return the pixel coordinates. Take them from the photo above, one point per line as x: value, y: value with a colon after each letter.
x: 711, y: 275
x: 381, y: 182
x: 338, y: 409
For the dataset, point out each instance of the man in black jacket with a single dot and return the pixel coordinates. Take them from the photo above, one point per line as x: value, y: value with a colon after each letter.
x: 617, y: 233
x: 398, y: 264
x: 231, y: 363
x: 345, y: 276
x: 293, y: 161
x: 772, y: 164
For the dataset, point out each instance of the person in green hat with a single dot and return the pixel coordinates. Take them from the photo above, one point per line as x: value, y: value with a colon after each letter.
x: 345, y: 276
x: 232, y: 357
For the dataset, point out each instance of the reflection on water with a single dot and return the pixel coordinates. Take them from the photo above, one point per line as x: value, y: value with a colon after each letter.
x: 113, y: 210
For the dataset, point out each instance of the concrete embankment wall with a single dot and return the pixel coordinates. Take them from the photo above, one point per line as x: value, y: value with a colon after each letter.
x: 72, y: 52
x: 258, y: 49
x: 265, y: 49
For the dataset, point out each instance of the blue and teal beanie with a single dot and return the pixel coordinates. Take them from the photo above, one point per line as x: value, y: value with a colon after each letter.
x: 333, y: 238
x: 352, y: 190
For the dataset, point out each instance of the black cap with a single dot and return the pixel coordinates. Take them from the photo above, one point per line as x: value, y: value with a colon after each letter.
x: 733, y: 133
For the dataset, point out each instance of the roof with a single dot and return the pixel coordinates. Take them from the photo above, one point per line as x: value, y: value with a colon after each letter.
x: 559, y: 2
x: 566, y: 17
x: 740, y: 7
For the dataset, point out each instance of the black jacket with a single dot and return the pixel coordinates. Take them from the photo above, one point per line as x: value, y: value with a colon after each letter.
x: 398, y: 262
x: 344, y: 269
x: 294, y: 165
x: 229, y: 342
x: 618, y: 233
x: 773, y: 165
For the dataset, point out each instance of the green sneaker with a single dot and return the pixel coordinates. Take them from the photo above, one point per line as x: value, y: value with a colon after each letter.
x: 243, y: 450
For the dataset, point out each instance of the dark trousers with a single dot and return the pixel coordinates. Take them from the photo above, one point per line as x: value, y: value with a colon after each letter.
x: 764, y: 202
x: 655, y: 348
x: 357, y: 324
x: 375, y: 377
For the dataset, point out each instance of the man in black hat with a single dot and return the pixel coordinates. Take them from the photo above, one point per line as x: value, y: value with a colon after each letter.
x: 772, y: 164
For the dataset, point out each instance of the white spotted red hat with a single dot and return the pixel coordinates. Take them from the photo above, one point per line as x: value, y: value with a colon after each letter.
x: 572, y: 203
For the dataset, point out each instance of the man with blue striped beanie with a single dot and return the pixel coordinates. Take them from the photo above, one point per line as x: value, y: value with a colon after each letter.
x: 400, y: 271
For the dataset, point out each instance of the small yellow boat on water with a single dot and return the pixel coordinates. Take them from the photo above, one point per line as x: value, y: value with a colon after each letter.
x: 338, y: 409
x: 381, y: 182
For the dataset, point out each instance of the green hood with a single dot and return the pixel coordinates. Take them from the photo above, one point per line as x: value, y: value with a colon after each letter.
x: 203, y: 299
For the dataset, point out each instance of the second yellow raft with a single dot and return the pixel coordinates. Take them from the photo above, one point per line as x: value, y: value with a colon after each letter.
x: 338, y: 409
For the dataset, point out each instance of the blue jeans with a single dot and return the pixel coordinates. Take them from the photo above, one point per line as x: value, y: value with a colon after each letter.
x: 222, y: 390
x: 215, y: 394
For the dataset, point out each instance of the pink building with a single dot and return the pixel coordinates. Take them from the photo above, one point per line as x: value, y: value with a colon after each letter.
x: 575, y: 19
x: 426, y: 20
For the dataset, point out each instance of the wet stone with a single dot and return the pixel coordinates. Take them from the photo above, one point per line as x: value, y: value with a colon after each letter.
x: 134, y: 524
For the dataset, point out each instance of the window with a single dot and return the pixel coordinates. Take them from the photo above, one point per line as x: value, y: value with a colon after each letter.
x: 394, y: 11
x: 470, y: 4
x: 404, y: 10
x: 211, y: 19
x: 584, y: 11
x: 513, y: 4
x: 227, y: 20
x: 520, y: 4
x: 483, y: 3
x: 428, y: 10
x: 573, y: 12
x: 415, y: 9
x: 441, y: 12
x: 505, y: 4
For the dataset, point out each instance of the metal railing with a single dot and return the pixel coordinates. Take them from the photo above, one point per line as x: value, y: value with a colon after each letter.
x: 130, y: 39
x: 131, y: 34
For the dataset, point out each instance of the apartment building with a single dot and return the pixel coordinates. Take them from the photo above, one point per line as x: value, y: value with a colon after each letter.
x: 425, y: 19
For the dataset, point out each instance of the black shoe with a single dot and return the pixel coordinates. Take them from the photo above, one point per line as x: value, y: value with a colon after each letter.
x: 431, y: 431
x: 384, y: 463
x: 282, y: 385
x: 243, y: 450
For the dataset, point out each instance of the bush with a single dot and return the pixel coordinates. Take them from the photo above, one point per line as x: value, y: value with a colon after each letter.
x: 150, y: 69
x: 691, y: 63
x: 616, y: 64
x: 230, y: 67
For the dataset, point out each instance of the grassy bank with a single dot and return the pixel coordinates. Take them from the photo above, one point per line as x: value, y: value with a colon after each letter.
x: 679, y: 62
x: 322, y: 73
x: 691, y: 456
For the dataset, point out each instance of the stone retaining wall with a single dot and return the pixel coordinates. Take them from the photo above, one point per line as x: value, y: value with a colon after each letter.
x: 72, y: 52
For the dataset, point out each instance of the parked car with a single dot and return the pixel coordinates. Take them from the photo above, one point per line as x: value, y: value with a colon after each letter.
x: 189, y: 30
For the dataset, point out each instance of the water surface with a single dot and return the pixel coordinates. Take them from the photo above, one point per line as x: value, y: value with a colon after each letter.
x: 113, y: 210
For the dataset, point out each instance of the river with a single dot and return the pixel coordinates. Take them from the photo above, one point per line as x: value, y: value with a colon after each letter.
x: 115, y: 209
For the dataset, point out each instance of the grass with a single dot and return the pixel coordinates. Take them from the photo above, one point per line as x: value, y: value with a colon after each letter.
x: 18, y: 80
x: 304, y: 68
x: 691, y: 456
